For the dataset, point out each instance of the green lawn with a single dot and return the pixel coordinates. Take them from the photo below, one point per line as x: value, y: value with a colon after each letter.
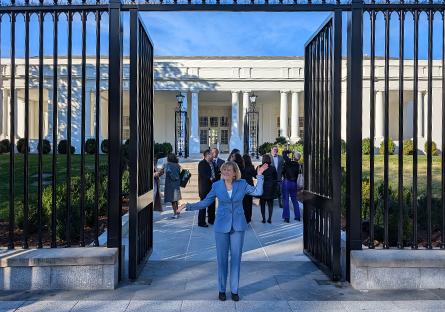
x: 407, y: 171
x: 47, y: 170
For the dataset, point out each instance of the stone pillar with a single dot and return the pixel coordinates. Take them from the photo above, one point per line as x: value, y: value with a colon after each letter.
x: 425, y: 115
x: 235, y: 141
x: 194, y: 147
x: 295, y: 118
x: 245, y: 108
x: 379, y: 116
x: 420, y: 104
x: 283, y: 114
x: 89, y: 114
x: 20, y: 117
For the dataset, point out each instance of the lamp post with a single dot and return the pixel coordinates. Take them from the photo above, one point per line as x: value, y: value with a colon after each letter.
x: 251, y: 128
x: 181, y: 128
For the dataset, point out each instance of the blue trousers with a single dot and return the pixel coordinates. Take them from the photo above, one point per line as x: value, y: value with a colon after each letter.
x: 290, y: 188
x: 232, y: 241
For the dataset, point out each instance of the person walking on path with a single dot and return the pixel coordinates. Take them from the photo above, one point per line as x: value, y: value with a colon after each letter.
x: 277, y: 162
x: 206, y: 177
x: 217, y: 162
x: 291, y: 170
x: 172, y: 190
x: 230, y: 223
x: 249, y: 174
x: 269, y: 189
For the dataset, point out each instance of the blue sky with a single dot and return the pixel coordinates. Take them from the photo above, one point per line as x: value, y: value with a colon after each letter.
x: 223, y: 34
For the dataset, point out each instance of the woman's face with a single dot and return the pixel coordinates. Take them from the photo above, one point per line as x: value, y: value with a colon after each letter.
x: 228, y: 174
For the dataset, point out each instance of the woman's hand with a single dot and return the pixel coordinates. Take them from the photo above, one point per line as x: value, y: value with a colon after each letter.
x: 180, y: 208
x: 262, y: 168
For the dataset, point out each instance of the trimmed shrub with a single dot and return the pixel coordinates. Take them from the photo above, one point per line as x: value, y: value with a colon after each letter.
x: 62, y: 147
x: 90, y: 146
x: 5, y: 146
x: 21, y: 146
x: 126, y: 182
x: 433, y: 148
x: 391, y: 147
x: 46, y: 147
x: 366, y: 146
x: 265, y: 148
x: 162, y: 149
x: 408, y: 147
x: 104, y: 146
x: 343, y: 146
x: 281, y: 140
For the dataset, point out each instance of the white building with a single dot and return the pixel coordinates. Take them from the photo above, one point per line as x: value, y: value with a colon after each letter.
x: 217, y: 93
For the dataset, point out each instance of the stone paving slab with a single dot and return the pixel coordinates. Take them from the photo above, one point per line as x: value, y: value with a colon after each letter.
x: 7, y: 306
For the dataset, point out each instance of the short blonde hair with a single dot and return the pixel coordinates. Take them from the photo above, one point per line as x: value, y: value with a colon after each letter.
x: 234, y: 167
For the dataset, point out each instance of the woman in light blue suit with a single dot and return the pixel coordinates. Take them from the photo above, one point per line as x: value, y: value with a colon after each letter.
x: 230, y: 222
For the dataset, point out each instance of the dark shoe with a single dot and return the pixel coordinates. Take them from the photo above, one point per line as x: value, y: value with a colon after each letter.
x: 286, y: 220
x: 269, y: 221
x: 222, y: 296
x: 235, y: 297
x: 203, y: 225
x: 264, y: 221
x: 297, y: 219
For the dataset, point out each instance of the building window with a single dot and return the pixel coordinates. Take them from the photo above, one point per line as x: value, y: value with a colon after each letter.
x: 203, y: 136
x: 224, y: 121
x: 224, y: 136
x: 213, y: 121
x: 301, y: 130
x: 203, y: 121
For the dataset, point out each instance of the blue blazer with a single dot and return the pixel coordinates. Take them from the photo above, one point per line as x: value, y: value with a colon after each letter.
x: 230, y: 211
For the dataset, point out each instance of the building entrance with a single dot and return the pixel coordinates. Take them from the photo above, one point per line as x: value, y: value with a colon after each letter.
x: 214, y: 130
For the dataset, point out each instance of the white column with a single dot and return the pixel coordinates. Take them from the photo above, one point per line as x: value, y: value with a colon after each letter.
x: 245, y: 107
x: 425, y: 115
x: 88, y: 114
x: 20, y: 117
x: 235, y: 141
x: 194, y: 146
x: 295, y: 118
x: 420, y: 100
x: 283, y: 114
x: 379, y: 116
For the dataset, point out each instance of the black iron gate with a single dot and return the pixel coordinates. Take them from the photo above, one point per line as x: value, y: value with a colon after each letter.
x: 141, y: 145
x: 322, y: 152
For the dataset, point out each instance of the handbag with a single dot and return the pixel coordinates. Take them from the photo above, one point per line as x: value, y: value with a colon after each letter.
x: 184, y: 177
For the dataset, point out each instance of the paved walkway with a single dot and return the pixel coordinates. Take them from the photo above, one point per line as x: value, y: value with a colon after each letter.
x: 181, y: 276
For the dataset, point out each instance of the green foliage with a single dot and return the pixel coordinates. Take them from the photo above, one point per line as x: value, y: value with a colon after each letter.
x: 104, y: 146
x: 391, y: 147
x: 366, y: 146
x: 433, y: 148
x: 5, y: 146
x: 90, y: 146
x: 21, y: 146
x: 408, y: 147
x: 46, y: 147
x: 126, y: 182
x: 281, y: 140
x: 162, y: 149
x: 265, y: 148
x: 62, y: 147
x: 343, y: 146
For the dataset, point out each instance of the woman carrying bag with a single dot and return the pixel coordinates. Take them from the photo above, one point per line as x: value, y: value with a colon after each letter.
x: 230, y: 222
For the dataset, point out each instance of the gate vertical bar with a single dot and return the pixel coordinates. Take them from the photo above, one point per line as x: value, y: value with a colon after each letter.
x: 386, y: 135
x: 442, y: 245
x: 354, y: 131
x: 82, y: 135
x: 40, y: 149
x: 55, y: 130
x: 429, y: 129
x: 415, y: 130
x: 12, y: 138
x: 68, y: 145
x: 114, y: 128
x: 372, y: 134
x: 134, y: 142
x: 401, y: 74
x: 97, y: 134
x: 26, y: 160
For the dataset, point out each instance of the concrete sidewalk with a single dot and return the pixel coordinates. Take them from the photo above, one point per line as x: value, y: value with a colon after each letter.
x: 181, y: 276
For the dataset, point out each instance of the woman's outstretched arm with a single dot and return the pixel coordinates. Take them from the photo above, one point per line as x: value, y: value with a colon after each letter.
x: 210, y: 198
x: 256, y: 190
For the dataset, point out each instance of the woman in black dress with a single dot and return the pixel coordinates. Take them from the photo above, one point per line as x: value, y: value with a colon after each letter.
x: 269, y: 188
x: 249, y: 174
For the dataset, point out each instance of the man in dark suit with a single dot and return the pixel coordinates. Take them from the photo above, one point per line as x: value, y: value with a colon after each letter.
x: 217, y: 162
x: 277, y: 163
x: 206, y: 176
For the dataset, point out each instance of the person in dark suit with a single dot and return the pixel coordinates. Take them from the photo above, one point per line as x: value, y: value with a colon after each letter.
x: 249, y: 174
x: 277, y: 163
x: 269, y: 189
x: 217, y: 162
x: 206, y: 177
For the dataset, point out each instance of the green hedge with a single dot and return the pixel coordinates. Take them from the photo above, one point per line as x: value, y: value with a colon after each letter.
x: 408, y: 147
x: 62, y: 147
x: 391, y: 147
x: 366, y: 146
x: 21, y: 146
x: 90, y: 146
x: 104, y: 146
x: 433, y: 148
x: 162, y: 149
x: 46, y: 147
x: 5, y: 146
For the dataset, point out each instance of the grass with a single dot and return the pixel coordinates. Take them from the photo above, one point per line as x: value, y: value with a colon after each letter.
x: 33, y: 174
